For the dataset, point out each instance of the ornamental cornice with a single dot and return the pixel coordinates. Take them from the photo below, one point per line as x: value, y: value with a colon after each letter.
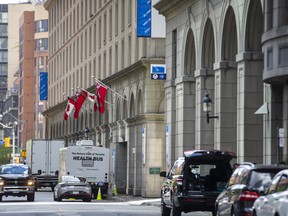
x: 167, y: 6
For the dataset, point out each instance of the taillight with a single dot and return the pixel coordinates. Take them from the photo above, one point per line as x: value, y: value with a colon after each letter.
x: 248, y: 196
x: 179, y: 181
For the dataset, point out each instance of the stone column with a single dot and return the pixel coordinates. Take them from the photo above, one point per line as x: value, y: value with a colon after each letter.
x: 225, y: 133
x: 185, y: 115
x: 169, y: 151
x: 154, y: 151
x: 130, y: 137
x: 249, y: 100
x: 204, y: 137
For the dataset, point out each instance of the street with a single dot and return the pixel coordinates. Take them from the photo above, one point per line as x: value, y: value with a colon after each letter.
x: 44, y: 206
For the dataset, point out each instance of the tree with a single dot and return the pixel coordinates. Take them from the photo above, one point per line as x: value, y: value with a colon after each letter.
x: 5, y: 154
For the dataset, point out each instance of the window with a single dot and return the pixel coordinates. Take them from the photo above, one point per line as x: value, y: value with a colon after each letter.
x: 283, y: 56
x: 3, y: 43
x: 3, y: 56
x: 41, y: 26
x: 283, y: 184
x: 3, y: 30
x: 41, y: 62
x: 41, y: 44
x: 269, y: 59
x: 3, y: 17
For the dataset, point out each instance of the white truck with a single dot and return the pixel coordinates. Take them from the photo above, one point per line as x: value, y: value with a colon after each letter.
x: 42, y: 155
x: 88, y: 161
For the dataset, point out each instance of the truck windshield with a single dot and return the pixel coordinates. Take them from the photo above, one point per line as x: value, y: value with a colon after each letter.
x: 14, y: 170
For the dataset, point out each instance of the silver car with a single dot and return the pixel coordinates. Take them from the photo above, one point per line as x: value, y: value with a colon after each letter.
x: 275, y: 201
x: 72, y: 187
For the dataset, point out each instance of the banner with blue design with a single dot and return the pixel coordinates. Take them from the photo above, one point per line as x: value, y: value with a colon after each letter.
x: 43, y: 86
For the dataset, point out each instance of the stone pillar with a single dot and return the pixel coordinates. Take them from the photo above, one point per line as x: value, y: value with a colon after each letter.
x: 185, y: 115
x: 250, y: 99
x: 225, y: 106
x: 169, y: 153
x: 154, y: 151
x: 204, y: 131
x: 130, y: 137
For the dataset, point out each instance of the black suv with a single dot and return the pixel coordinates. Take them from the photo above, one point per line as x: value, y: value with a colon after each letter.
x: 246, y: 184
x: 17, y: 180
x: 194, y: 181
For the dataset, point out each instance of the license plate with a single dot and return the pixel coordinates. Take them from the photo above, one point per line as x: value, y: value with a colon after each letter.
x: 75, y: 192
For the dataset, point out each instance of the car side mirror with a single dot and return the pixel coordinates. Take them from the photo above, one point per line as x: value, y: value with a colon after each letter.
x: 163, y: 174
x: 57, y: 173
x: 39, y: 172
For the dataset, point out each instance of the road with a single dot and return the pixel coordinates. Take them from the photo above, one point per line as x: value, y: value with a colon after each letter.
x: 45, y: 206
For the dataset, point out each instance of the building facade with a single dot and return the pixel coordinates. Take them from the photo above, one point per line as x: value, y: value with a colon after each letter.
x: 9, y: 64
x: 98, y: 38
x: 236, y: 51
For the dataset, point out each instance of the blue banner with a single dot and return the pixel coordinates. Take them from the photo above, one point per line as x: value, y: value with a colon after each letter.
x: 43, y: 86
x: 144, y: 14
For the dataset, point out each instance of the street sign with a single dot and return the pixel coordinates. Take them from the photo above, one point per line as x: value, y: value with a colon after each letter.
x: 158, y: 71
x: 281, y: 137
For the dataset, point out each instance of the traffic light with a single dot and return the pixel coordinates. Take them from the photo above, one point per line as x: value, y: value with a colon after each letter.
x: 7, y: 142
x: 23, y: 153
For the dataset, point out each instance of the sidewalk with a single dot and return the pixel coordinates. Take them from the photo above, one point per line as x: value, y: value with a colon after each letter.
x: 135, y: 200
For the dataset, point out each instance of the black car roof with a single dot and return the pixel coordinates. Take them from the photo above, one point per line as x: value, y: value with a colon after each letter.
x: 209, y: 154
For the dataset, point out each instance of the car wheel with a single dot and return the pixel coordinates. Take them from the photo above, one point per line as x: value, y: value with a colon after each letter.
x: 0, y: 198
x: 176, y: 211
x: 165, y: 211
x: 30, y: 197
x: 59, y: 199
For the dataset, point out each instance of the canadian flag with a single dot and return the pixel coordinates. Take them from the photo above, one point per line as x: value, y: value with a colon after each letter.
x: 101, y: 94
x: 69, y: 108
x: 92, y: 98
x: 80, y: 98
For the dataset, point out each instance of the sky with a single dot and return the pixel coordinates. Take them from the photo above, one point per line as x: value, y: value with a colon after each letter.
x: 12, y: 1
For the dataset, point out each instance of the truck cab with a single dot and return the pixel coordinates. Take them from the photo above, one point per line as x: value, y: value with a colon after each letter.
x: 17, y: 180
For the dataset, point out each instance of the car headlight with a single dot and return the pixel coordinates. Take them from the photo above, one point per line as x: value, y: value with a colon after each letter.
x: 31, y: 182
x: 1, y: 182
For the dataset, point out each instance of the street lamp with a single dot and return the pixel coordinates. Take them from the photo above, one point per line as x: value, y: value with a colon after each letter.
x: 25, y: 123
x: 11, y: 126
x: 86, y: 133
x: 207, y: 107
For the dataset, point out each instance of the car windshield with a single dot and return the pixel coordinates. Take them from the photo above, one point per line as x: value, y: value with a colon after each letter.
x: 261, y: 179
x: 14, y: 170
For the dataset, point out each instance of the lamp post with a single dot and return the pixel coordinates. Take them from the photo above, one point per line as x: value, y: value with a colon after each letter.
x: 207, y: 107
x: 25, y: 123
x: 86, y: 133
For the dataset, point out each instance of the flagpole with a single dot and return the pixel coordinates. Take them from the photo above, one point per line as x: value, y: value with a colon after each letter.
x: 98, y: 81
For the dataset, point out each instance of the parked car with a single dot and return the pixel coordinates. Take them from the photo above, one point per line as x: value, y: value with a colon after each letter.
x: 246, y: 184
x: 72, y: 187
x: 194, y: 181
x: 275, y: 201
x: 17, y: 180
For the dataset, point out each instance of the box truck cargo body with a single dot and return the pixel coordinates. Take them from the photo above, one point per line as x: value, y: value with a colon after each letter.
x: 88, y: 161
x: 42, y: 155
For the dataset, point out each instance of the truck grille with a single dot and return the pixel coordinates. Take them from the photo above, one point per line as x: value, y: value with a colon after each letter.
x: 16, y: 182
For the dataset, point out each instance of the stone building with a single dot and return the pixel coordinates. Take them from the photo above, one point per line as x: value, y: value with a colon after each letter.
x: 237, y: 52
x: 98, y: 38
